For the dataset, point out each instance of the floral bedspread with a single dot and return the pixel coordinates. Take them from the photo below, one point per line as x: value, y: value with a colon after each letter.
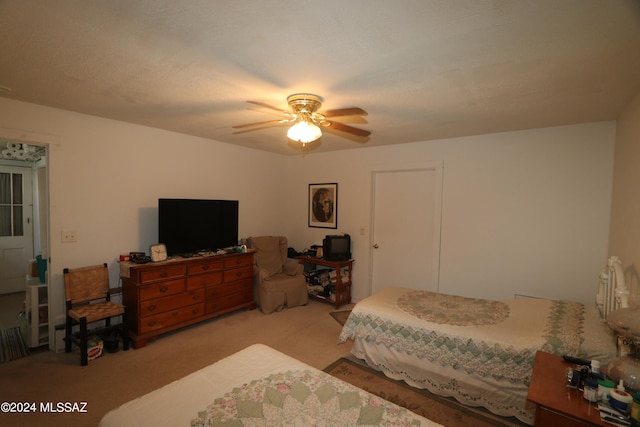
x: 489, y: 339
x: 453, y: 309
x: 302, y: 398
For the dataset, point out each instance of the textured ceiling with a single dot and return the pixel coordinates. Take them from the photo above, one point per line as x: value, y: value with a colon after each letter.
x: 423, y: 69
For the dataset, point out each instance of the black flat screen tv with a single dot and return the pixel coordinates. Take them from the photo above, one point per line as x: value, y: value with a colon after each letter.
x: 188, y: 226
x: 336, y: 248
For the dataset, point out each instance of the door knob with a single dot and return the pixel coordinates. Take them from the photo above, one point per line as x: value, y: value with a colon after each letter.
x: 375, y: 246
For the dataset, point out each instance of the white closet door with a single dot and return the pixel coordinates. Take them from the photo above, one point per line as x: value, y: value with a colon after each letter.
x: 406, y: 217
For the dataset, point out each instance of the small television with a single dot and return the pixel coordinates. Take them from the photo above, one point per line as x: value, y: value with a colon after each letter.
x: 188, y: 226
x: 337, y: 247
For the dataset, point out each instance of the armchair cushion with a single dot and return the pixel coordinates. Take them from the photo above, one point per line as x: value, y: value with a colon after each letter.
x: 293, y: 269
x: 278, y: 283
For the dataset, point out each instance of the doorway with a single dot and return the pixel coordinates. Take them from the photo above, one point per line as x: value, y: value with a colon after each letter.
x: 16, y: 231
x: 23, y: 225
x: 406, y: 221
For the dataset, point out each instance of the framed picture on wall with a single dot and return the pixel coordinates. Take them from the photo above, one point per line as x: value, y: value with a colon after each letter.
x: 323, y: 205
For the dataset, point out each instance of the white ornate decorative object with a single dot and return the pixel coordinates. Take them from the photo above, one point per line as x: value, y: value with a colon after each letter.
x: 612, y: 289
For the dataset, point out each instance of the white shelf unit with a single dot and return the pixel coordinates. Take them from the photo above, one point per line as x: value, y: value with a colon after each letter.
x: 37, y: 313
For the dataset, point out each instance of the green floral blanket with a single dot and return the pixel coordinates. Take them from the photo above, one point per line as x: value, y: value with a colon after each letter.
x: 302, y: 398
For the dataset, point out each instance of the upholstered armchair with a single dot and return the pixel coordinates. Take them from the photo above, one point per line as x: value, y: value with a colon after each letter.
x: 277, y: 283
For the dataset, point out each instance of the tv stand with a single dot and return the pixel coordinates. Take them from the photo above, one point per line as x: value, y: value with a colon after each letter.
x: 164, y: 296
x: 342, y: 283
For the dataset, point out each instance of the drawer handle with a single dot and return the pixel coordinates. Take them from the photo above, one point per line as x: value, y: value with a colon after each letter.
x: 163, y: 274
x: 239, y: 273
x: 205, y: 267
x: 152, y: 323
x: 151, y: 307
x: 196, y: 297
x: 196, y: 311
x: 175, y: 313
x: 164, y: 289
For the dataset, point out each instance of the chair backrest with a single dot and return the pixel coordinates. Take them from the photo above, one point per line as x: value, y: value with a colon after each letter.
x: 271, y: 252
x: 86, y: 283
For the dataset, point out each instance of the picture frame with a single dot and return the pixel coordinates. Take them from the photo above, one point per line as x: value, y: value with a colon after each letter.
x: 323, y: 205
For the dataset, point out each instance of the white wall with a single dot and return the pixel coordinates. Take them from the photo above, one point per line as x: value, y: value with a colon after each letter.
x: 523, y: 212
x: 106, y: 177
x: 625, y: 212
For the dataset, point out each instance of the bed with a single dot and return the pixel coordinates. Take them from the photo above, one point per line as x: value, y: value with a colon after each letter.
x: 260, y: 386
x: 478, y: 351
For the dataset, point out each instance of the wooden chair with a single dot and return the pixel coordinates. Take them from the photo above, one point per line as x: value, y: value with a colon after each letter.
x: 88, y: 300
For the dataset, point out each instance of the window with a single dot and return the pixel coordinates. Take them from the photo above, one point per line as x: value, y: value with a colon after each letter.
x: 11, y: 205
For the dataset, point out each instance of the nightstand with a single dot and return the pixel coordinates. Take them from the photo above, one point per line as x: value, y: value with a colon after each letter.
x: 556, y: 404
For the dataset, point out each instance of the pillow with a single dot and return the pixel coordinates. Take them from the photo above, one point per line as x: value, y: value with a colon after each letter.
x: 599, y: 340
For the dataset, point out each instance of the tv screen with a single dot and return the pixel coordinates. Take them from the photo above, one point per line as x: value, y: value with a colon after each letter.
x: 337, y: 248
x: 188, y: 226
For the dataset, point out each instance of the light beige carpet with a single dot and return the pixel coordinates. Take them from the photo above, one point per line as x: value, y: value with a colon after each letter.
x: 306, y: 333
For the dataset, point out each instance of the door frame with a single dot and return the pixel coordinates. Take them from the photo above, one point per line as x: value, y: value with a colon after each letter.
x: 54, y: 246
x: 438, y: 167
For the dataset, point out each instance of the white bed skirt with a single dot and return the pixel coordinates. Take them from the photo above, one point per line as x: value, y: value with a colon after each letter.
x: 506, y: 399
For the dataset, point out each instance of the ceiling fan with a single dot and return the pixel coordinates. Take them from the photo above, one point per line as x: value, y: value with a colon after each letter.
x: 307, y: 120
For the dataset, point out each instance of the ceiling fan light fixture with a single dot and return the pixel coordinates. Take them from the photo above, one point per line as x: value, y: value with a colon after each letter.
x: 306, y: 121
x: 304, y: 132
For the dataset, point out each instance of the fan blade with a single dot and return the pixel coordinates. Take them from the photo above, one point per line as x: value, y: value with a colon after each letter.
x: 262, y: 104
x: 268, y: 122
x: 273, y: 113
x: 353, y: 111
x: 345, y: 128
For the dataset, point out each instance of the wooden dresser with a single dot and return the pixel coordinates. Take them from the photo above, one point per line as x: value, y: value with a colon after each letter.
x: 556, y: 404
x: 164, y: 296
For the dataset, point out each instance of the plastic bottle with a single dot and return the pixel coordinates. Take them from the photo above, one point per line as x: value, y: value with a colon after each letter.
x: 590, y: 389
x: 604, y: 389
x: 620, y: 399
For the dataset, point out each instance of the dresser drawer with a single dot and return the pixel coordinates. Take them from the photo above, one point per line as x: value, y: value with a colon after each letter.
x: 221, y: 290
x: 238, y: 273
x: 238, y: 260
x: 203, y: 280
x: 162, y: 273
x: 162, y: 289
x: 160, y: 305
x: 224, y: 300
x: 205, y: 266
x: 169, y: 318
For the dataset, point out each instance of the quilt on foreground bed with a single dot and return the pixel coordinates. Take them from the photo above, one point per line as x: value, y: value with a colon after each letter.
x: 479, y: 351
x: 259, y: 386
